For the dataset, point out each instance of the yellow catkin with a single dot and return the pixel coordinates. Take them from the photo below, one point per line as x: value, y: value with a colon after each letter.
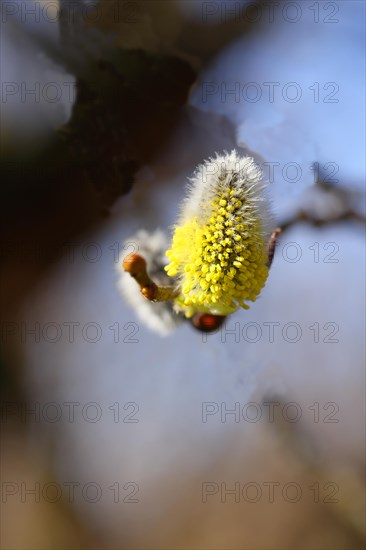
x: 220, y: 258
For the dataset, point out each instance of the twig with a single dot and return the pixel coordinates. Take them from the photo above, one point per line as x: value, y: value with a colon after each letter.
x: 135, y: 265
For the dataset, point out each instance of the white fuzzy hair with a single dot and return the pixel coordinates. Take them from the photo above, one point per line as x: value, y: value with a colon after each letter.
x: 216, y: 174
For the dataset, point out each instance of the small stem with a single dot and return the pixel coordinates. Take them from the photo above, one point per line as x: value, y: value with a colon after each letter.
x: 135, y: 265
x: 272, y: 245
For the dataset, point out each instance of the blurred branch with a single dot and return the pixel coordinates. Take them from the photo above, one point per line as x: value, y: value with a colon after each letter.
x: 345, y: 212
x: 302, y: 216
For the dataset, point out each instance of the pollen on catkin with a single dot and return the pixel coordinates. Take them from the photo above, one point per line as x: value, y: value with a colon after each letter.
x: 218, y: 251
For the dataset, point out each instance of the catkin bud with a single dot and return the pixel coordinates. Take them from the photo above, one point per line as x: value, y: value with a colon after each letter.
x: 218, y: 252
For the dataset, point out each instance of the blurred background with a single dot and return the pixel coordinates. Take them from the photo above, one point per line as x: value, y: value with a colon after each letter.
x: 116, y: 437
